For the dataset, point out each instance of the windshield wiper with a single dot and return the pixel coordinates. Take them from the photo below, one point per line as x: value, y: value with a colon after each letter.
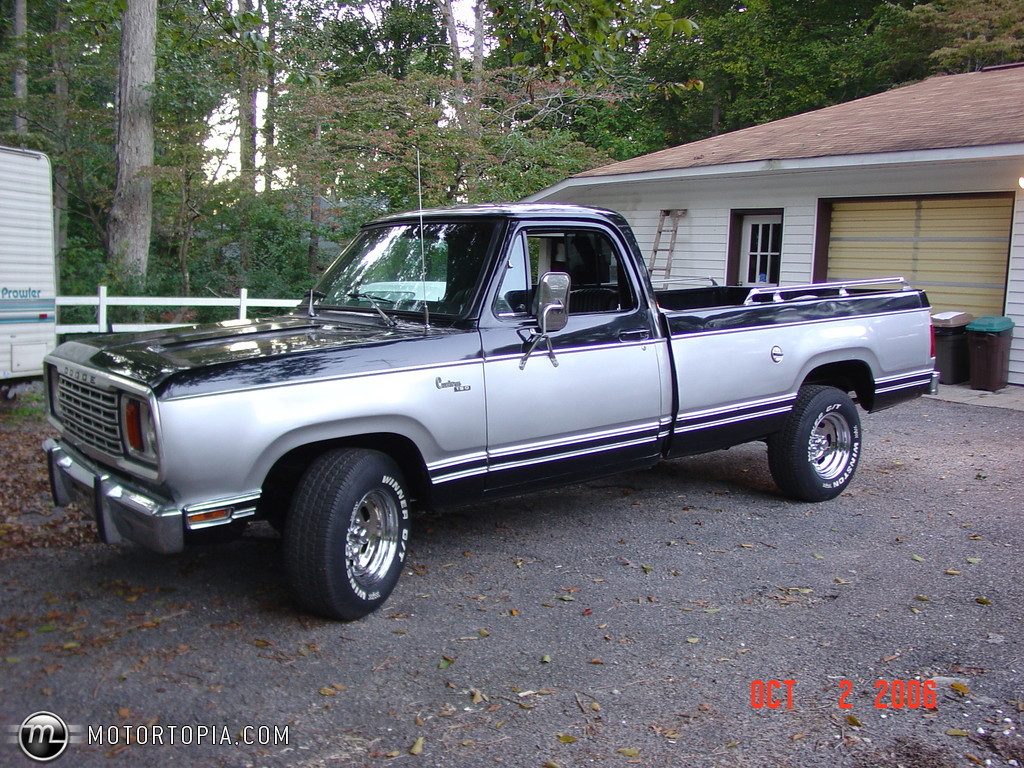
x: 373, y: 303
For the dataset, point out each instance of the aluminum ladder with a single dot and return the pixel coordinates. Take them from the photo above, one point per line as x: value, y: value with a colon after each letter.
x: 661, y: 255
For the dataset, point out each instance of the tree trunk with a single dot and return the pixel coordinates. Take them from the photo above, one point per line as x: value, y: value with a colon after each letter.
x: 20, y: 66
x: 478, y: 50
x: 60, y: 118
x: 187, y: 225
x: 131, y: 212
x: 270, y: 115
x: 315, y: 217
x: 247, y: 143
x: 247, y: 109
x: 448, y: 11
x: 467, y: 113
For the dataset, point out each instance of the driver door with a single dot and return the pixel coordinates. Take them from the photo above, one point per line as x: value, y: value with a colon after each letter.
x: 594, y: 404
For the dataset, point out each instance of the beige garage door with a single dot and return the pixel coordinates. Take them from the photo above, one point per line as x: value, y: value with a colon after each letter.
x: 954, y: 248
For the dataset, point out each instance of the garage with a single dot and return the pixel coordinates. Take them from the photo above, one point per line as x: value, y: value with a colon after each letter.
x: 925, y: 181
x: 956, y: 248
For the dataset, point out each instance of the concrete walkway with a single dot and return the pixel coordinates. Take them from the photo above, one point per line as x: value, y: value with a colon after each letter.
x: 1011, y: 396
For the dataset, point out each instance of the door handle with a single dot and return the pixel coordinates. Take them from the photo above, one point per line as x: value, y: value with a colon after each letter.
x: 640, y: 335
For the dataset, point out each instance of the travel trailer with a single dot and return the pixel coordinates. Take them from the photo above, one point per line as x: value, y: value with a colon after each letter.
x: 27, y: 267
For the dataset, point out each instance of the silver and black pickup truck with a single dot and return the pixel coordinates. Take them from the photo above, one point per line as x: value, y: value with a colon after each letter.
x: 454, y: 355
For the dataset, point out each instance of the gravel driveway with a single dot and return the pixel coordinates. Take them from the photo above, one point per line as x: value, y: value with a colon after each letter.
x: 685, y: 616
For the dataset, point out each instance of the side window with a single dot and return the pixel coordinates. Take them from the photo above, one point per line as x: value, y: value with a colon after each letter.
x: 515, y: 294
x: 598, y: 279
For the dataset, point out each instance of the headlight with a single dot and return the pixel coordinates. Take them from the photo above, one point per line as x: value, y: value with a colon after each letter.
x: 138, y: 429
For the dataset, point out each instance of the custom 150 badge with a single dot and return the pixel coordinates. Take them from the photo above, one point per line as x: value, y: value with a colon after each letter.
x: 458, y: 386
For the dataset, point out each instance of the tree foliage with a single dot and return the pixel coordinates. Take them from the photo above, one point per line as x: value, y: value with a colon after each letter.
x: 281, y: 125
x: 766, y: 59
x: 563, y: 37
x: 971, y: 34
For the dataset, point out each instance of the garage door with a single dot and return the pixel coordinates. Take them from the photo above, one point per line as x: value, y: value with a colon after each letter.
x: 954, y: 248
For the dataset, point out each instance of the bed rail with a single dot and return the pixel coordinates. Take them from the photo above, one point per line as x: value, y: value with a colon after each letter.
x: 781, y: 293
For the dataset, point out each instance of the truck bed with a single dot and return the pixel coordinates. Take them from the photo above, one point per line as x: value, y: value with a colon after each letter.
x: 720, y: 307
x: 700, y: 297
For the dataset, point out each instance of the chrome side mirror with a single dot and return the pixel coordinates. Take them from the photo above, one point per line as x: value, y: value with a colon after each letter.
x: 552, y: 313
x: 553, y: 302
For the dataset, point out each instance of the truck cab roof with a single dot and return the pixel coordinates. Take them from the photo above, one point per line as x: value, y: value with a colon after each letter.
x: 503, y: 210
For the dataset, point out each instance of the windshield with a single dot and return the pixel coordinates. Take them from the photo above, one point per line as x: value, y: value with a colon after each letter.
x: 405, y: 266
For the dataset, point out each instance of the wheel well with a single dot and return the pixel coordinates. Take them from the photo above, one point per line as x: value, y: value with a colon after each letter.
x: 849, y: 376
x: 283, y: 478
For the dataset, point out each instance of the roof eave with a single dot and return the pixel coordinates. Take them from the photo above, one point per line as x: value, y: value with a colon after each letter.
x: 790, y: 165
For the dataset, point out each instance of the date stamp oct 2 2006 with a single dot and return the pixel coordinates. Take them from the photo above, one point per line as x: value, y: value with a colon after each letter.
x: 889, y: 694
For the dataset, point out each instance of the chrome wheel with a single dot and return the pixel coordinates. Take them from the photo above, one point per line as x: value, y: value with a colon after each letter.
x: 814, y: 455
x: 373, y: 535
x: 347, y: 533
x: 830, y: 446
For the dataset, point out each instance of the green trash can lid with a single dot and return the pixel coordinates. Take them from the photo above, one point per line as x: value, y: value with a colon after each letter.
x: 990, y: 324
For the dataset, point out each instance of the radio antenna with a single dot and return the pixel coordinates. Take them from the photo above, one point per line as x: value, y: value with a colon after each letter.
x: 423, y: 257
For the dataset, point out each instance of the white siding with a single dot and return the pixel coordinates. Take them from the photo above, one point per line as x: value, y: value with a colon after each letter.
x: 798, y: 224
x: 702, y: 243
x: 1015, y: 291
x: 703, y: 233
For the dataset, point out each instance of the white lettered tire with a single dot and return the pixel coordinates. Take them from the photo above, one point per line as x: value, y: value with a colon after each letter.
x: 814, y: 456
x: 347, y: 533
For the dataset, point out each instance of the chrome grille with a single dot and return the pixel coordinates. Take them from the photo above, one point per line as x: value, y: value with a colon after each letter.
x: 90, y: 415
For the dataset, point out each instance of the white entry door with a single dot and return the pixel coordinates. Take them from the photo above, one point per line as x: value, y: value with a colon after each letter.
x: 761, y: 250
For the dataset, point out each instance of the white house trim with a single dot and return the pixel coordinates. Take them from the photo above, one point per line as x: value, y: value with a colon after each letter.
x: 1008, y: 152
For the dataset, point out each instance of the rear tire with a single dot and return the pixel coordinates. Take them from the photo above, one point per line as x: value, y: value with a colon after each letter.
x: 347, y: 533
x: 814, y: 456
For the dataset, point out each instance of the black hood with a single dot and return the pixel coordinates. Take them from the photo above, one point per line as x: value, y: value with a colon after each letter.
x: 245, y: 352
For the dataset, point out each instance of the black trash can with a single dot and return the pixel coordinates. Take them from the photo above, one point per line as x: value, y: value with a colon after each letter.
x: 989, y: 341
x: 952, y: 359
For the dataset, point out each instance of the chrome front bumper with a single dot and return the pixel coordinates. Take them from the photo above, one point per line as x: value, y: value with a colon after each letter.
x: 121, y: 512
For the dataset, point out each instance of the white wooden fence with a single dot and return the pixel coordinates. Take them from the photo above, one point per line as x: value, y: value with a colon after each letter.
x: 102, y: 301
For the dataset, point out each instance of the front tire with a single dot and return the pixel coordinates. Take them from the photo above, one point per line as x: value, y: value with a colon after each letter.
x: 347, y: 533
x: 814, y: 456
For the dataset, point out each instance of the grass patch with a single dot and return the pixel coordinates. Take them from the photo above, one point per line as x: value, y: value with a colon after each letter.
x: 29, y: 407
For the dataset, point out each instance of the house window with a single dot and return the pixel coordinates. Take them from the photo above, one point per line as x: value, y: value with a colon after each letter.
x: 761, y: 250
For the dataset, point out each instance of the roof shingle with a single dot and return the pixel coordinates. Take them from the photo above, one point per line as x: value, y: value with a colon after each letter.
x: 946, y: 111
